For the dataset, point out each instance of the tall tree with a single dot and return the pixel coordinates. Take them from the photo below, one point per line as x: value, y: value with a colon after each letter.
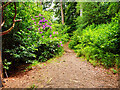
x: 62, y: 15
x: 6, y: 32
x: 59, y: 9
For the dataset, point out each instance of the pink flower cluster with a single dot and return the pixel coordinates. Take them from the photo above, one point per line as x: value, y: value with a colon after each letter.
x: 44, y: 25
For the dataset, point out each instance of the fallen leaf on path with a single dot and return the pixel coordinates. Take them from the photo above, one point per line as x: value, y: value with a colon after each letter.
x: 49, y: 80
x: 74, y: 81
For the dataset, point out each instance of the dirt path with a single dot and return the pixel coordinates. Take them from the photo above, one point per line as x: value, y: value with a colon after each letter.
x: 67, y: 71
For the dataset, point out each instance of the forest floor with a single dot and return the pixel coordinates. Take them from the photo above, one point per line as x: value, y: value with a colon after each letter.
x: 66, y: 71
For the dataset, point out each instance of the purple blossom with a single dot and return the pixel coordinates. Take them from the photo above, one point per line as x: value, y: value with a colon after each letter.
x: 45, y: 21
x: 42, y: 36
x: 36, y: 16
x: 40, y: 21
x: 53, y: 32
x: 58, y: 45
x: 50, y: 27
x: 57, y: 32
x: 43, y: 18
x: 50, y: 35
x: 38, y: 28
x: 60, y: 41
x: 33, y: 19
x: 28, y: 28
x: 55, y: 37
x: 41, y: 32
x: 40, y: 15
x: 45, y: 24
x: 43, y: 27
x: 50, y: 23
x: 61, y: 44
x: 34, y: 22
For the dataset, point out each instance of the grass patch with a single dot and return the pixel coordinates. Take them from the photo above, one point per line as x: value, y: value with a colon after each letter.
x: 93, y: 62
x: 35, y: 62
x: 114, y: 71
x: 33, y: 86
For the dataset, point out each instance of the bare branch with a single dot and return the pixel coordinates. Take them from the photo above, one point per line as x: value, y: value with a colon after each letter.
x: 2, y: 7
x: 3, y: 23
x: 15, y: 12
x: 7, y: 31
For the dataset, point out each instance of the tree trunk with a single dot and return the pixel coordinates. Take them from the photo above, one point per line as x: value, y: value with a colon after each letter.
x: 1, y: 69
x: 1, y: 73
x: 62, y: 15
x: 81, y: 10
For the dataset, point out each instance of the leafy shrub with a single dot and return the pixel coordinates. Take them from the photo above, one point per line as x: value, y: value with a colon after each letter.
x: 63, y: 32
x: 35, y: 38
x: 99, y: 43
x: 38, y: 42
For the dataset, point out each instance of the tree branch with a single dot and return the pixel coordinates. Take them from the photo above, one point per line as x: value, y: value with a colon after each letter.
x: 7, y: 31
x: 3, y: 23
x: 2, y: 7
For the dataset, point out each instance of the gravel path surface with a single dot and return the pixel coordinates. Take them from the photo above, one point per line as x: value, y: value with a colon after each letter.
x: 67, y: 71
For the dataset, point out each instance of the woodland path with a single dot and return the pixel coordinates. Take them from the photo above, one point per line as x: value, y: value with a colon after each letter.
x: 67, y: 71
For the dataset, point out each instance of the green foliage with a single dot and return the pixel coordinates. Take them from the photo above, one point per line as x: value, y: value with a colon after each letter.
x: 37, y: 37
x: 70, y: 14
x: 63, y: 31
x: 93, y: 62
x: 97, y: 36
x: 6, y: 64
x: 32, y: 87
x: 96, y: 12
x: 100, y: 43
x: 114, y: 71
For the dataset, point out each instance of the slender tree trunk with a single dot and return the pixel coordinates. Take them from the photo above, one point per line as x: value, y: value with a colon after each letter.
x: 1, y: 52
x: 1, y: 65
x: 62, y: 15
x: 81, y: 10
x: 1, y: 69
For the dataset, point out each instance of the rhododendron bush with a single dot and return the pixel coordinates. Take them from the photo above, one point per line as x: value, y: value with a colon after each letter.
x: 38, y: 37
x: 39, y: 41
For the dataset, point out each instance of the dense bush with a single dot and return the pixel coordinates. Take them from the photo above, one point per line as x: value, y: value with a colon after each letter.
x: 97, y: 36
x: 38, y: 42
x: 99, y: 43
x: 63, y: 32
x: 36, y: 38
